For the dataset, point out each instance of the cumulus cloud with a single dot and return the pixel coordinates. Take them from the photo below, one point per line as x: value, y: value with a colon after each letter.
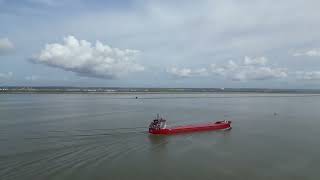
x: 311, y: 52
x: 5, y: 46
x: 255, y: 61
x: 308, y: 75
x: 79, y: 56
x: 5, y: 76
x: 257, y: 73
x: 32, y: 78
x: 249, y: 69
x: 187, y: 72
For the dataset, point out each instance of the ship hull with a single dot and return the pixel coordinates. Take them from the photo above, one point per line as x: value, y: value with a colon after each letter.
x: 219, y: 125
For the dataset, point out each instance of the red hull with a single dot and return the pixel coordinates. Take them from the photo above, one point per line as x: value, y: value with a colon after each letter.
x: 220, y: 125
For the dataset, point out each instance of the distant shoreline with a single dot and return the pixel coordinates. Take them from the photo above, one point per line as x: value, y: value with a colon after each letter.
x: 137, y: 91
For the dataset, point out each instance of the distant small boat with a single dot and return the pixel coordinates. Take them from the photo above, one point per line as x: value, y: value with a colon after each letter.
x: 158, y: 126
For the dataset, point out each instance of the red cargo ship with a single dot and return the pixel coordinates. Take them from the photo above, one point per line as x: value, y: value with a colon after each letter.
x: 158, y: 126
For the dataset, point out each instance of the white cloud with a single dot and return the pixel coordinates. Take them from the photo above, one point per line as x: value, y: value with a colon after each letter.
x: 218, y: 70
x: 308, y: 75
x: 79, y: 56
x: 249, y: 69
x: 255, y: 61
x: 187, y: 72
x: 311, y: 52
x: 258, y: 73
x: 5, y: 76
x: 5, y: 46
x: 32, y: 78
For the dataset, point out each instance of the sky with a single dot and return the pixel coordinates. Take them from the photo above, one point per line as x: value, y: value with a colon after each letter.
x: 167, y: 43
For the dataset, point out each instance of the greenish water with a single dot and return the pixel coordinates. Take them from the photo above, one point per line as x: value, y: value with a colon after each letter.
x: 83, y: 136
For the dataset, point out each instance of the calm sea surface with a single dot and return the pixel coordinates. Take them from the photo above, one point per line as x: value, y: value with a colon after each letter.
x: 97, y: 136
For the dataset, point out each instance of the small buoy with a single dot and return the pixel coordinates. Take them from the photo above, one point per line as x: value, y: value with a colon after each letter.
x: 136, y: 97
